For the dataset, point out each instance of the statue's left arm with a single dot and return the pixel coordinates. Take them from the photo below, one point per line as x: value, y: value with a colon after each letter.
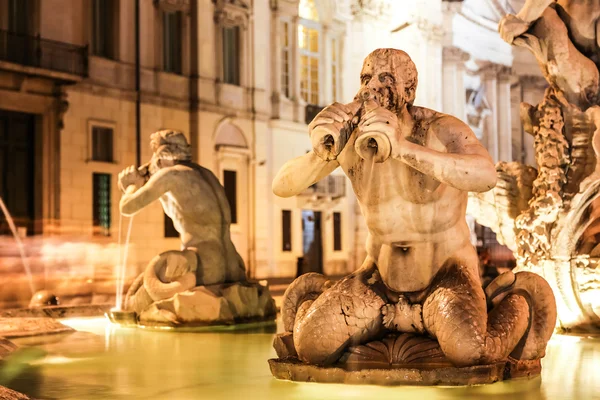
x: 466, y: 165
x: 136, y: 197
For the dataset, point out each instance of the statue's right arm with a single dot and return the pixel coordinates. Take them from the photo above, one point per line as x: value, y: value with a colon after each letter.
x: 533, y: 9
x: 134, y: 200
x: 300, y: 173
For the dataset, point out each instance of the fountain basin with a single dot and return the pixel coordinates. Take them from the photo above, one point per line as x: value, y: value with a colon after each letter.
x: 234, y: 365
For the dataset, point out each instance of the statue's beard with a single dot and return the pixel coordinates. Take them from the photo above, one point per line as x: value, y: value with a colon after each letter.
x: 154, y: 165
x: 388, y: 98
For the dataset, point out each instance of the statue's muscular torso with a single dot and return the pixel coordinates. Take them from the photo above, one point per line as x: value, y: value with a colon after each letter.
x: 415, y: 223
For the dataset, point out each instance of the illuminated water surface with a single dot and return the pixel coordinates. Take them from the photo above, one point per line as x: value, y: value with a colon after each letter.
x: 121, y: 363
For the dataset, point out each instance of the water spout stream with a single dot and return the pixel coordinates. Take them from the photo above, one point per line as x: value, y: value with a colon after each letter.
x: 122, y: 267
x: 13, y: 228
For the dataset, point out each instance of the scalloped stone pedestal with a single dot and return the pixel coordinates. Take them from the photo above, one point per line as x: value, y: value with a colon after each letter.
x: 422, y: 375
x: 404, y: 359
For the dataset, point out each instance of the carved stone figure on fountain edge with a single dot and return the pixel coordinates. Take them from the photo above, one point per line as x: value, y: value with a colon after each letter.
x: 195, y: 200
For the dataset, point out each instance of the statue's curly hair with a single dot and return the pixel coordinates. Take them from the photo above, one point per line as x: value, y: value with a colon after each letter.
x: 170, y: 145
x: 402, y: 65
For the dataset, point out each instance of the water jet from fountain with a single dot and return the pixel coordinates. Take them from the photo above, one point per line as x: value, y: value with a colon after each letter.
x: 13, y: 228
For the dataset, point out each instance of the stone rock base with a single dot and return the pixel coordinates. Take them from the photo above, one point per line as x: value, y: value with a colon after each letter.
x: 22, y: 327
x: 76, y: 311
x: 422, y: 375
x: 8, y: 394
x: 223, y: 304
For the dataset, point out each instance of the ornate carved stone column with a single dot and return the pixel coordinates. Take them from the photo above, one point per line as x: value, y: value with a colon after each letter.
x: 453, y: 87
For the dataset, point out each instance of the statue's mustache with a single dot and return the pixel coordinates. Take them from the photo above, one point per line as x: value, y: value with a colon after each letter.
x: 385, y: 97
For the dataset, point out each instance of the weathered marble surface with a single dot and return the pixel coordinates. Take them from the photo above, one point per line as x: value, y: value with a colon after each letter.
x: 222, y: 304
x: 411, y: 169
x: 205, y: 282
x: 8, y: 394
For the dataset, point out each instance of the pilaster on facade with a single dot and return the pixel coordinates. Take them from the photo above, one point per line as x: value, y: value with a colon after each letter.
x: 453, y: 89
x: 504, y: 115
x: 496, y: 80
x: 432, y: 32
x: 424, y: 45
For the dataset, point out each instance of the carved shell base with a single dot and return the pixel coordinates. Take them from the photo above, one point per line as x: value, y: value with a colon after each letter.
x: 395, y: 360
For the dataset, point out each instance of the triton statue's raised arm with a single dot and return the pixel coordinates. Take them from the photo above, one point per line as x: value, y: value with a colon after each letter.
x: 411, y: 169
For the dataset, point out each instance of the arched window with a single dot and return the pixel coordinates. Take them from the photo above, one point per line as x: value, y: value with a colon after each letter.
x: 308, y: 43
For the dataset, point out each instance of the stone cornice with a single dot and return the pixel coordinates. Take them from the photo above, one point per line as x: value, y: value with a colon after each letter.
x: 497, y: 71
x: 430, y: 31
x: 173, y: 5
x: 232, y: 13
x: 455, y: 54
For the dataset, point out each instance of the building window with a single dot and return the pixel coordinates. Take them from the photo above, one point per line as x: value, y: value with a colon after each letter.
x: 308, y: 40
x: 103, y: 35
x: 285, y: 59
x: 231, y: 54
x: 169, y: 228
x: 334, y: 69
x: 230, y: 185
x: 337, y: 231
x: 172, y: 38
x: 102, y: 143
x: 18, y: 16
x: 308, y: 43
x: 101, y: 204
x: 286, y: 230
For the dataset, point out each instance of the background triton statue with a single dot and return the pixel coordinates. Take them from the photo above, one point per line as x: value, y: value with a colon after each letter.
x: 411, y: 169
x: 193, y: 197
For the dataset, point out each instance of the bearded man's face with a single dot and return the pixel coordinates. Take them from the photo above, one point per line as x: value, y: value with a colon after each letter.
x: 378, y: 76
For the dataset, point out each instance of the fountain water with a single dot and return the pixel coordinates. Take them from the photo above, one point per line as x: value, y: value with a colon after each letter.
x: 122, y: 266
x: 13, y: 228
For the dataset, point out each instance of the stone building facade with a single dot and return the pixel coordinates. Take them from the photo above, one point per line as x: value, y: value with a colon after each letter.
x: 87, y: 81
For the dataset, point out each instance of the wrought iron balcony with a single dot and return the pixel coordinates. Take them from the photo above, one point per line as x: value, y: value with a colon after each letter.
x: 333, y: 186
x: 33, y: 51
